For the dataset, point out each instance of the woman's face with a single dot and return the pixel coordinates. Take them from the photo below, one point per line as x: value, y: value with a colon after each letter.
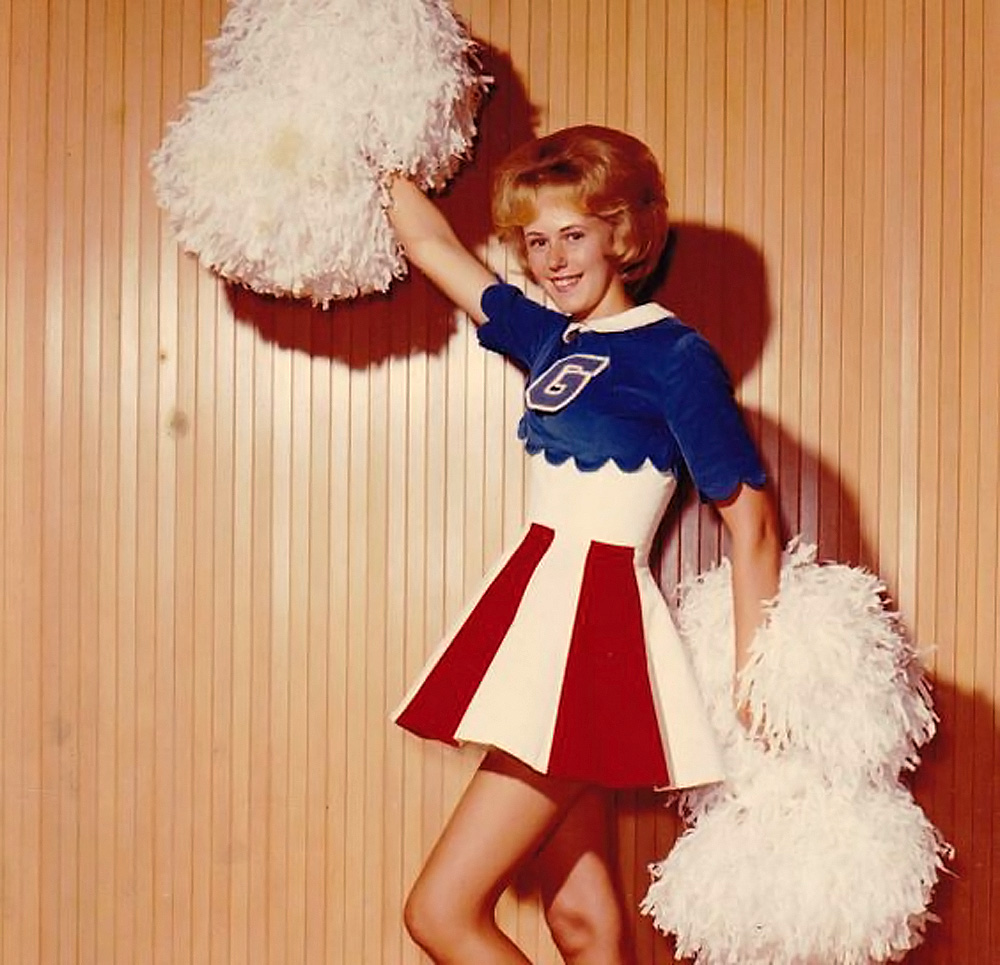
x: 570, y: 255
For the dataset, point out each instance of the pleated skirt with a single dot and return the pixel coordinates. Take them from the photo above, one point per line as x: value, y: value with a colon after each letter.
x: 567, y: 657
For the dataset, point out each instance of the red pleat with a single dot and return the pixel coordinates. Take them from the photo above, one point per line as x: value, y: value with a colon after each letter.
x: 437, y: 708
x: 606, y: 729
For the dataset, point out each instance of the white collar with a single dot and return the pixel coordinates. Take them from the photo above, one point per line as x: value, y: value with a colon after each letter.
x: 635, y: 317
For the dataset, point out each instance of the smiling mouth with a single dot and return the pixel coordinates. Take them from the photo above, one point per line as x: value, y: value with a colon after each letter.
x: 564, y: 284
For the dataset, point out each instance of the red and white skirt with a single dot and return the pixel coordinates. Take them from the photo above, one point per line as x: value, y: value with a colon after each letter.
x: 568, y: 658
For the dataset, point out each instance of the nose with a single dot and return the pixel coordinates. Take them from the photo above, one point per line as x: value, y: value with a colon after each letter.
x: 557, y: 254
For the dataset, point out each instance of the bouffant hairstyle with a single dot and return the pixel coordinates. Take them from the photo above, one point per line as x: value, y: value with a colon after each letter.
x: 607, y: 173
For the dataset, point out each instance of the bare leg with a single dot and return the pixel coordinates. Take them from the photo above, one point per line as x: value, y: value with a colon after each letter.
x: 503, y: 816
x: 578, y: 883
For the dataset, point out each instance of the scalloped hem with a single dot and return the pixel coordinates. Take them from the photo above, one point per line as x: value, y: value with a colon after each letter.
x: 729, y: 491
x: 557, y: 459
x: 754, y: 482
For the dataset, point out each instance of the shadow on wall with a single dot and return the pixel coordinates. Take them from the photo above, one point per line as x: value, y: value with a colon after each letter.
x: 716, y: 281
x: 955, y: 785
x: 412, y: 317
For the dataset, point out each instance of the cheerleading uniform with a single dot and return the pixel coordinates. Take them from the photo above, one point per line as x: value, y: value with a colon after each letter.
x: 567, y: 658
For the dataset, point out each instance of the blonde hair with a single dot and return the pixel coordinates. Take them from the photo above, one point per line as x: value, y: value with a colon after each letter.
x: 608, y: 174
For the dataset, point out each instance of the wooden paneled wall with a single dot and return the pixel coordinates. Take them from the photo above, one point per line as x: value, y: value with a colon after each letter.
x: 231, y: 528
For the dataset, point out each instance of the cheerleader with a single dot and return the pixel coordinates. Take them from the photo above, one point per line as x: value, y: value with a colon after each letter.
x: 566, y: 666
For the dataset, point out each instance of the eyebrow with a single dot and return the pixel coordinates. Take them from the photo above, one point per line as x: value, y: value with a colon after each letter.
x: 575, y: 226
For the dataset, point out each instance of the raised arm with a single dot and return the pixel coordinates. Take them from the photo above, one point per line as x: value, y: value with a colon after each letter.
x: 430, y: 243
x: 756, y: 560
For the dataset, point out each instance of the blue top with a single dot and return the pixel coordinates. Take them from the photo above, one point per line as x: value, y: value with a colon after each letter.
x: 630, y: 387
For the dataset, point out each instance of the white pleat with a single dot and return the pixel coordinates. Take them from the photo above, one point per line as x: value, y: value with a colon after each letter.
x: 693, y: 755
x: 517, y: 702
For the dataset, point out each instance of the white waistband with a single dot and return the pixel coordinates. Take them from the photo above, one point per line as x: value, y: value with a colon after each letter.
x: 606, y: 504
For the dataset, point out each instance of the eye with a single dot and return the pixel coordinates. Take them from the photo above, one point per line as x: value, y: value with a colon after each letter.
x: 535, y: 242
x: 577, y: 234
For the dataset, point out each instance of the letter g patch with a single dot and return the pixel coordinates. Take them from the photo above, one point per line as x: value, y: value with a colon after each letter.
x: 563, y: 381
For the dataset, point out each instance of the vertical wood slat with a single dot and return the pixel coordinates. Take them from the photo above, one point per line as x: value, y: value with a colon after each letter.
x: 909, y: 176
x: 24, y: 426
x: 980, y: 379
x: 229, y: 539
x: 9, y: 753
x: 58, y: 868
x: 831, y: 278
x: 988, y: 607
x: 90, y: 447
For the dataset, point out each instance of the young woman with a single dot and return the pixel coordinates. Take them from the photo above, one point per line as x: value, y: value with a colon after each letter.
x: 566, y: 667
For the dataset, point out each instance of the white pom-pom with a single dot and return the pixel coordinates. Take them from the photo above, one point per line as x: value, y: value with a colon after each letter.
x: 830, y: 672
x: 811, y: 851
x: 798, y: 871
x: 275, y: 174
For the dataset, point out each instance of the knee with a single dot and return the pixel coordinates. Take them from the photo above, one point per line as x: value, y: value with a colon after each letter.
x: 583, y: 927
x: 432, y: 917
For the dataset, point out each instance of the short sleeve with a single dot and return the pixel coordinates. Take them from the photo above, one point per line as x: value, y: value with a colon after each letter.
x: 515, y: 325
x: 703, y: 416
